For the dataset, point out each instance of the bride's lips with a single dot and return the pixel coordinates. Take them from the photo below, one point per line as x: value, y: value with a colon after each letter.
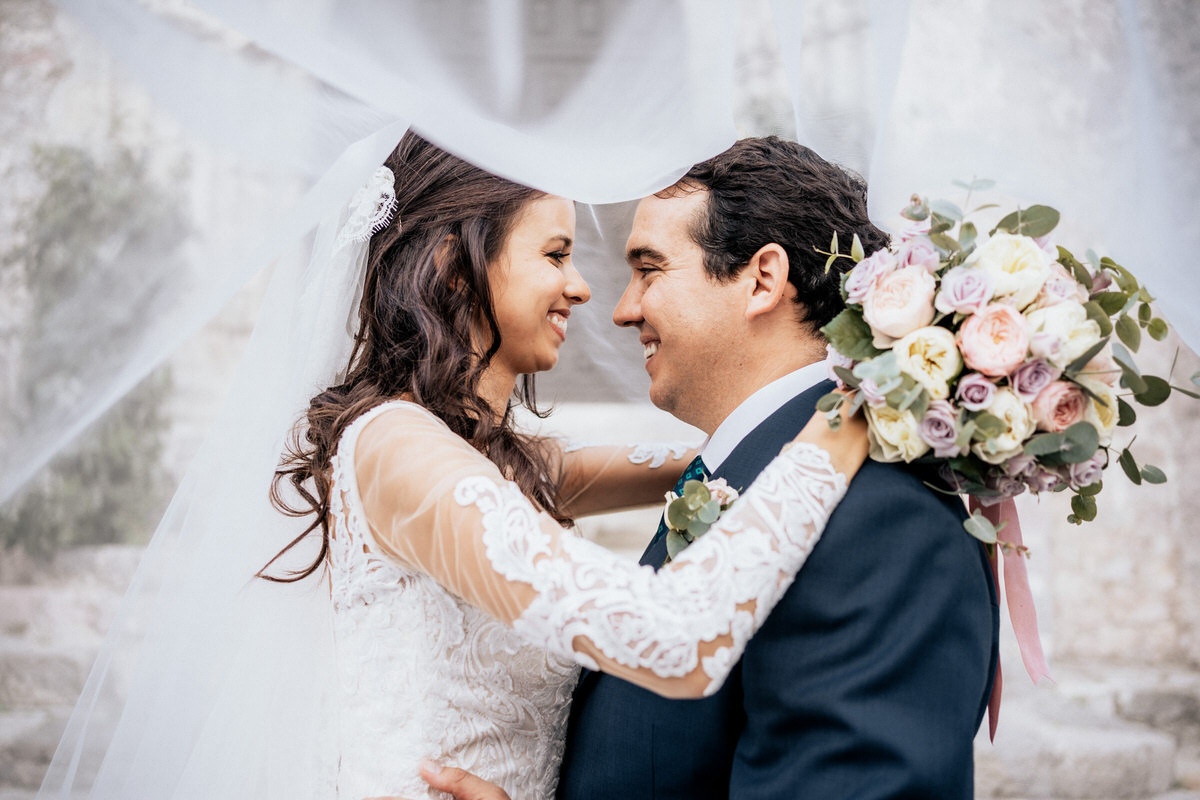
x: 558, y: 321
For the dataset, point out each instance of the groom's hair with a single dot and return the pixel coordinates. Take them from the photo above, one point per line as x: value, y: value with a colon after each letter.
x: 765, y: 190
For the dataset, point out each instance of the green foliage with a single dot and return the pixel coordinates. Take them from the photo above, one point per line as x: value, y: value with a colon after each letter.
x: 850, y: 335
x: 1034, y: 221
x: 110, y: 485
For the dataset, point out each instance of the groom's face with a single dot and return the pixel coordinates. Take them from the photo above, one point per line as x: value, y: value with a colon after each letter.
x: 688, y: 322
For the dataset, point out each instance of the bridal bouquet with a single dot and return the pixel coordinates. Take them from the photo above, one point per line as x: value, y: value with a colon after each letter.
x: 1004, y: 360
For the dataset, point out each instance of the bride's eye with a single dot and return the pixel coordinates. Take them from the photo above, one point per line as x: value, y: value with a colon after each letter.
x: 558, y: 256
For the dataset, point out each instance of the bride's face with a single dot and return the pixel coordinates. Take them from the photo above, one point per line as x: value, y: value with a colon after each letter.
x: 534, y: 286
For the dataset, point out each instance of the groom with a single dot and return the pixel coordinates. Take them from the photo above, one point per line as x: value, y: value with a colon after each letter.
x: 870, y: 678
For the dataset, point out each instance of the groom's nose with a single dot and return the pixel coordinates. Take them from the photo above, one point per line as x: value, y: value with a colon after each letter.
x: 629, y: 308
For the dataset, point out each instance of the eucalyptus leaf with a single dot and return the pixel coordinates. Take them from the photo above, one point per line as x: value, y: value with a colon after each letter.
x: 1126, y: 416
x: 980, y: 527
x: 1097, y: 315
x: 1092, y: 258
x: 916, y: 210
x: 850, y: 335
x: 1124, y: 277
x: 1092, y: 489
x: 847, y: 376
x: 944, y: 242
x: 830, y: 402
x: 1145, y: 314
x: 676, y: 544
x: 989, y: 425
x: 1157, y: 329
x: 1084, y: 507
x: 976, y: 185
x: 1156, y: 392
x: 696, y: 493
x: 1130, y: 377
x: 1151, y: 474
x: 1087, y: 356
x: 678, y: 514
x: 697, y: 528
x: 967, y: 234
x: 1044, y: 444
x: 1034, y: 221
x: 1129, y: 332
x: 1111, y: 302
x: 1188, y: 392
x: 709, y: 511
x: 1080, y: 442
x: 1130, y: 467
x: 947, y: 209
x: 829, y: 262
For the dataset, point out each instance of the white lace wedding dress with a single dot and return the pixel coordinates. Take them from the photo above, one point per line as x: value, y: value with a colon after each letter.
x: 460, y: 612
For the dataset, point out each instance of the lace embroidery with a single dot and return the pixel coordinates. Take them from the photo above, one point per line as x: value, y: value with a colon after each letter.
x: 643, y: 619
x: 656, y: 453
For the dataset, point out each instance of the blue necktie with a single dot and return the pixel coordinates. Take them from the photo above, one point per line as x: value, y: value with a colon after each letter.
x: 695, y: 472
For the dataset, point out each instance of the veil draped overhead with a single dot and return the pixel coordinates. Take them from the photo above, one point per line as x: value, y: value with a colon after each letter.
x: 211, y: 683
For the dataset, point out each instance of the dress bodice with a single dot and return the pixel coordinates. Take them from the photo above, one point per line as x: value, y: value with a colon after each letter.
x: 422, y: 674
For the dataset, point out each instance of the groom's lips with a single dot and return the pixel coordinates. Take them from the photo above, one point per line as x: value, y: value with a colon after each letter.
x: 649, y: 347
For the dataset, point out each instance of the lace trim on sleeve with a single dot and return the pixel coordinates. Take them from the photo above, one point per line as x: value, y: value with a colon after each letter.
x: 640, y: 618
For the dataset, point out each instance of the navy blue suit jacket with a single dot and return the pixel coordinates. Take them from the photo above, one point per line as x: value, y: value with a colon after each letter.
x: 868, y: 680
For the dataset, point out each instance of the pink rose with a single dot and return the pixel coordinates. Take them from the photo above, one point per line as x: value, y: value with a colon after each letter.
x: 964, y: 290
x: 919, y: 252
x: 1059, y: 406
x: 861, y: 279
x: 901, y: 302
x: 995, y: 340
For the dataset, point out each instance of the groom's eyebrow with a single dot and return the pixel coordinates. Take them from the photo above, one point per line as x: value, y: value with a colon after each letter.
x: 638, y: 254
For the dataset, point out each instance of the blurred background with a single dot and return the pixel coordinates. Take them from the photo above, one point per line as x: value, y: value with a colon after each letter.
x: 97, y: 169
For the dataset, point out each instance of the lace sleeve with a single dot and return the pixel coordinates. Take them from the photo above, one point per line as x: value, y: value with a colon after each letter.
x: 434, y: 503
x: 601, y: 477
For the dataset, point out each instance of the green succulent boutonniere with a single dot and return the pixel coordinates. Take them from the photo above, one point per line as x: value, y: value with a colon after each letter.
x: 690, y: 514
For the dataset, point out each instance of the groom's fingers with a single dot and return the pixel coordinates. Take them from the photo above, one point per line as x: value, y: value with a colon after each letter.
x: 461, y: 784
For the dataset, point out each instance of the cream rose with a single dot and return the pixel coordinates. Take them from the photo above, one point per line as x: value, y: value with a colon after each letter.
x: 1018, y: 422
x: 931, y: 357
x: 1066, y: 328
x: 893, y: 435
x: 900, y: 302
x: 1017, y: 265
x: 994, y: 341
x: 1102, y: 415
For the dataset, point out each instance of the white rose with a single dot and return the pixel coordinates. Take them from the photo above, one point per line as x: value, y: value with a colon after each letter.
x: 1019, y: 426
x: 1067, y: 325
x: 1017, y: 265
x: 1103, y: 415
x: 931, y: 357
x: 893, y: 435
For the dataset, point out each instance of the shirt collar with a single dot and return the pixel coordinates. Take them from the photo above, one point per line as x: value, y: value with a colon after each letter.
x: 756, y: 408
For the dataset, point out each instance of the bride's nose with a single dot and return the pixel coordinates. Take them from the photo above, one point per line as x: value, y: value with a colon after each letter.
x: 577, y: 289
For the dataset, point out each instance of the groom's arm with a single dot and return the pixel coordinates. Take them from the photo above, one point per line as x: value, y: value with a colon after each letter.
x: 868, y: 680
x: 599, y: 478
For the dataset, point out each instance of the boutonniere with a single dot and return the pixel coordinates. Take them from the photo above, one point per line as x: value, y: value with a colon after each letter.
x: 691, y: 513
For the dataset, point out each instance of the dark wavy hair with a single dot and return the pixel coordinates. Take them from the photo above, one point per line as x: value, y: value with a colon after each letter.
x: 426, y: 304
x: 766, y: 189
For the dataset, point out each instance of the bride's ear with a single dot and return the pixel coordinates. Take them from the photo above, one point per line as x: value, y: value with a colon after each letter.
x: 766, y: 276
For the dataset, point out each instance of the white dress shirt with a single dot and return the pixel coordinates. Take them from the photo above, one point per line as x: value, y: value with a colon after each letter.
x: 756, y: 408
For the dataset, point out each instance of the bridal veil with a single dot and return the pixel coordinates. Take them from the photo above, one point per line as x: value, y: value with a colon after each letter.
x: 212, y: 683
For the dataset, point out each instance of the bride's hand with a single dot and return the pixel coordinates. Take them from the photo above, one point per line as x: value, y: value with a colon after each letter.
x: 458, y: 783
x: 847, y: 446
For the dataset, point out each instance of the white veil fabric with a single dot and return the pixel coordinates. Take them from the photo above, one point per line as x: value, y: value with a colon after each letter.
x: 211, y: 683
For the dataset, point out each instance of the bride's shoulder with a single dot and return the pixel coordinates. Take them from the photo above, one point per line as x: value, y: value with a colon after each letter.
x: 397, y: 422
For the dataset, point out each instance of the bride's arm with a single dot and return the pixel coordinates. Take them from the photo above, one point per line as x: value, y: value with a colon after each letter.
x: 434, y: 503
x: 598, y: 478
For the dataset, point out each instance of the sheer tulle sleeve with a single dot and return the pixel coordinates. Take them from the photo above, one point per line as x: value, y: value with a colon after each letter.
x: 435, y: 504
x: 602, y: 477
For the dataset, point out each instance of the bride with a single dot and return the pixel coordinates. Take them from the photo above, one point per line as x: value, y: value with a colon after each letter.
x: 461, y: 606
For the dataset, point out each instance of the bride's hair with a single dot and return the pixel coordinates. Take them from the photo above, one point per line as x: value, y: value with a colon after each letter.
x: 426, y: 305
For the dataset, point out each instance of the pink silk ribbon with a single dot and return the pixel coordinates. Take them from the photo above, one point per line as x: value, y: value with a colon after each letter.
x: 1021, y: 612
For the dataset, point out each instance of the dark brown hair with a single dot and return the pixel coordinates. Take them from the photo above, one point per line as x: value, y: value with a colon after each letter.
x: 426, y: 304
x: 766, y: 189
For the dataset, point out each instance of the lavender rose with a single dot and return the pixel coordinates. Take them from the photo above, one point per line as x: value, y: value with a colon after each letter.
x: 861, y: 279
x: 939, y: 429
x: 918, y: 252
x: 964, y: 290
x: 1042, y: 479
x: 1006, y: 485
x: 834, y: 358
x: 871, y: 394
x: 1030, y: 378
x: 975, y: 391
x: 1088, y: 472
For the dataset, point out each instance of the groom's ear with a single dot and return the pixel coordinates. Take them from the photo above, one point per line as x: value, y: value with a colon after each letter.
x: 766, y: 276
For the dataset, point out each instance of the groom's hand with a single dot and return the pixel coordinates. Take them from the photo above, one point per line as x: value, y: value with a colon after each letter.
x: 458, y: 783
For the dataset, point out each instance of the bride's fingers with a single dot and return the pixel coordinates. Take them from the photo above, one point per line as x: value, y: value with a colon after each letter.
x: 459, y: 783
